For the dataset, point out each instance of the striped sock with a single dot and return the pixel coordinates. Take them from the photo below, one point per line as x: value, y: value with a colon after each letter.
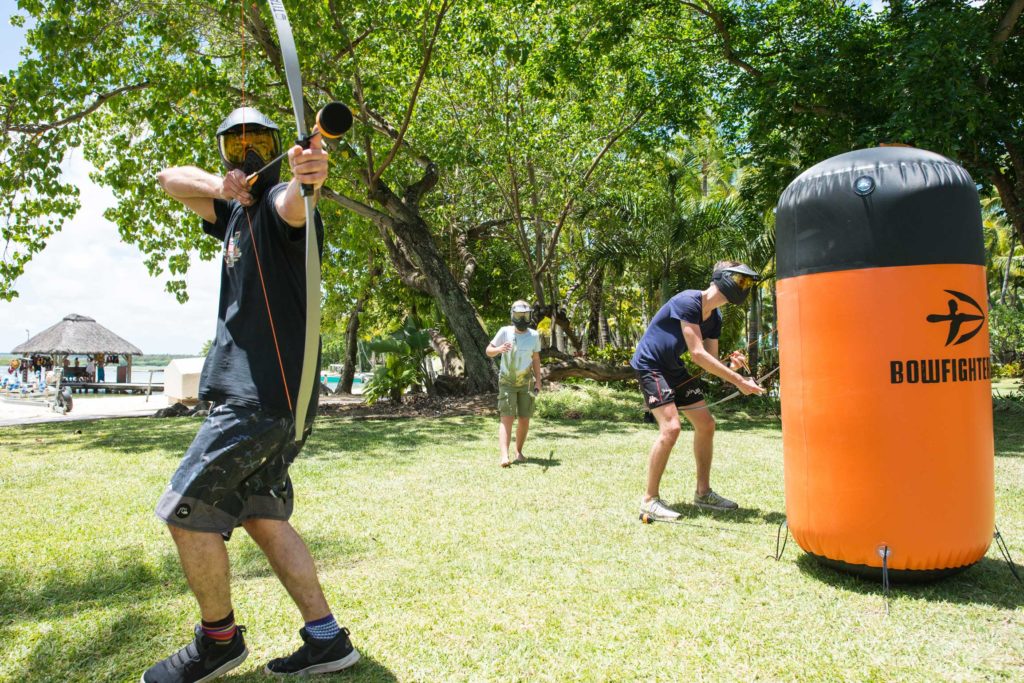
x: 323, y: 629
x: 222, y: 631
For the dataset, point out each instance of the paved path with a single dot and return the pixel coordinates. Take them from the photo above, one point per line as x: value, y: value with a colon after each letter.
x: 83, y: 408
x: 101, y: 407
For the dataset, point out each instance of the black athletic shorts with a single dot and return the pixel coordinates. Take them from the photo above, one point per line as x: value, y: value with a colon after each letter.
x: 658, y: 390
x: 235, y: 469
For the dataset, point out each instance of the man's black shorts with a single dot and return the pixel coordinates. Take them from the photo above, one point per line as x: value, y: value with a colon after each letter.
x: 235, y: 469
x: 659, y: 390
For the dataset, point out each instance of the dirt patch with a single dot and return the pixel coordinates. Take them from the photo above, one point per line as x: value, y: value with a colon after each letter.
x: 415, y: 405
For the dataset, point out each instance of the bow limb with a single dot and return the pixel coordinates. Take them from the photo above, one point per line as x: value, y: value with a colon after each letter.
x: 311, y: 346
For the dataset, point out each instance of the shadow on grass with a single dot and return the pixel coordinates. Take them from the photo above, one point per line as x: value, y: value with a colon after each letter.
x: 118, y: 579
x: 745, y: 519
x: 543, y: 463
x: 367, y: 670
x: 132, y: 436
x: 249, y: 562
x: 987, y: 582
x: 397, y: 440
x: 1009, y: 434
x: 85, y: 655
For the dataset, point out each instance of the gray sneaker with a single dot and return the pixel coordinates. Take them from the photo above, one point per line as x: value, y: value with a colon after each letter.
x: 713, y: 501
x: 655, y: 510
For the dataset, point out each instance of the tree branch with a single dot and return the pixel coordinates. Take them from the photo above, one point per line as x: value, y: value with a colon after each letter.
x: 1002, y: 34
x: 427, y: 54
x: 1005, y: 29
x: 462, y: 246
x: 723, y: 33
x: 365, y: 115
x: 410, y: 276
x: 380, y: 219
x: 577, y: 367
x: 377, y: 121
x: 553, y: 242
x: 415, y: 191
x: 40, y: 128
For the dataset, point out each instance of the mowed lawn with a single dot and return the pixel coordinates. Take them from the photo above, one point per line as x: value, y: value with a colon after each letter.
x: 448, y: 568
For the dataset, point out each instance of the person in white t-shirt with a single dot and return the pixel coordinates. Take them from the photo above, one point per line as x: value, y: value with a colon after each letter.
x: 519, y: 348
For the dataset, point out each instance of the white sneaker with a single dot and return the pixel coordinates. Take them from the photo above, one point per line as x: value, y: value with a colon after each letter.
x: 713, y: 501
x: 655, y: 510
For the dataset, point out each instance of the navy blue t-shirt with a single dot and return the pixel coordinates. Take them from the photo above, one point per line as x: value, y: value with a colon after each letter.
x: 242, y: 365
x: 662, y: 345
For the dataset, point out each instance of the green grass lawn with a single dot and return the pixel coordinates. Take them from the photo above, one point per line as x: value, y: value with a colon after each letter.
x: 448, y: 568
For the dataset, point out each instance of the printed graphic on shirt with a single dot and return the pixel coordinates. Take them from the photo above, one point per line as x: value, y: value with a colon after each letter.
x: 231, y: 252
x: 515, y: 367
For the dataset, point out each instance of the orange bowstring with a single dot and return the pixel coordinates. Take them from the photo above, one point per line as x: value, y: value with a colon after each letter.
x: 252, y: 237
x: 270, y: 316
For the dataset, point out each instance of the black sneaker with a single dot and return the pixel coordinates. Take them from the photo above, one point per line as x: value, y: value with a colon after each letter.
x: 201, y: 660
x: 316, y: 656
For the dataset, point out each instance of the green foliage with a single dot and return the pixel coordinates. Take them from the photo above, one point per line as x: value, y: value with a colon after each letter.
x: 610, y: 354
x: 405, y: 353
x: 392, y: 379
x: 587, y: 400
x: 332, y: 348
x: 574, y: 142
x: 1011, y: 369
x: 1006, y: 334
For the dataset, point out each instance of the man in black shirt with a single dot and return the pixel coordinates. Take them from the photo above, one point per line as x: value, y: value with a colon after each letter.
x: 235, y: 473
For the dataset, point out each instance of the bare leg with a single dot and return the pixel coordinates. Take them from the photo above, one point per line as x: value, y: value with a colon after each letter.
x: 703, y: 444
x: 204, y: 558
x: 668, y: 431
x: 292, y: 563
x: 504, y: 437
x: 522, y: 429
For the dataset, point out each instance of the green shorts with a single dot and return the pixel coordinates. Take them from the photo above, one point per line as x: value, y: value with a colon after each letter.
x: 515, y: 402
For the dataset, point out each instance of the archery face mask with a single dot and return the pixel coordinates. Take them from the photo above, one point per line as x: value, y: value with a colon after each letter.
x: 735, y: 282
x: 247, y: 140
x: 521, y: 315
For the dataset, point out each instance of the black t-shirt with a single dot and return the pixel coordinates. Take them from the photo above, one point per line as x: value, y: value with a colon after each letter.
x: 242, y: 365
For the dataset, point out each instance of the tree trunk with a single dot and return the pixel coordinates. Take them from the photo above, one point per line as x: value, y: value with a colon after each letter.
x: 1012, y: 199
x: 578, y: 367
x: 348, y: 373
x: 754, y: 331
x: 605, y: 336
x: 451, y: 364
x: 594, y: 295
x: 560, y: 323
x: 1009, y: 265
x: 416, y: 238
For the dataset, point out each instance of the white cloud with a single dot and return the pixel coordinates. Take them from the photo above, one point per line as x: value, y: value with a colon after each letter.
x: 87, y: 269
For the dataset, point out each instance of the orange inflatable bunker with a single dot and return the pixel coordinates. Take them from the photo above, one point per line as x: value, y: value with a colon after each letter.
x: 884, y: 352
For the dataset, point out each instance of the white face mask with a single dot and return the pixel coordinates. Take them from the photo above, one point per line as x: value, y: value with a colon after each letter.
x: 521, y: 317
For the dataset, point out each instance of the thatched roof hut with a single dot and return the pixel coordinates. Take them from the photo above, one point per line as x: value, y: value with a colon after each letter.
x: 76, y: 335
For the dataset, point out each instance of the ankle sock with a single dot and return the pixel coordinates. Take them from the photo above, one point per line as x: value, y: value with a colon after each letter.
x: 323, y: 629
x: 221, y: 631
